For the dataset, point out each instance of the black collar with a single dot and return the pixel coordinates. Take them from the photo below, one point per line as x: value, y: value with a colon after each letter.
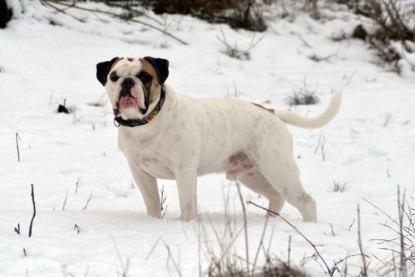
x: 146, y: 119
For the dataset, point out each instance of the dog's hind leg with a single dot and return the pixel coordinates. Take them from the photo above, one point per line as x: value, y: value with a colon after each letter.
x: 287, y: 181
x: 255, y: 181
x: 276, y: 163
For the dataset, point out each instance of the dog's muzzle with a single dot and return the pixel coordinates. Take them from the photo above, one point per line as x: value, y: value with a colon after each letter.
x: 138, y: 122
x: 127, y: 98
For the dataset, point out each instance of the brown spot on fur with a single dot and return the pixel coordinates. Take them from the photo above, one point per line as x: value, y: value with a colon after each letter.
x: 266, y: 109
x: 147, y: 67
x: 130, y: 59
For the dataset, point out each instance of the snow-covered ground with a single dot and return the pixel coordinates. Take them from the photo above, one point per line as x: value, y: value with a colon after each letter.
x: 369, y: 147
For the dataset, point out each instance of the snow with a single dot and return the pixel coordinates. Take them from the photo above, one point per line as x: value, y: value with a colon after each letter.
x: 369, y: 145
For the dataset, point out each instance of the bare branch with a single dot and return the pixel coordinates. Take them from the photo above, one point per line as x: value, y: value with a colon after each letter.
x: 74, y: 6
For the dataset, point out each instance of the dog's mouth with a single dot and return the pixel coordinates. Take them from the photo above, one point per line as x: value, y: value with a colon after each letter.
x: 129, y: 118
x: 127, y: 102
x: 130, y: 100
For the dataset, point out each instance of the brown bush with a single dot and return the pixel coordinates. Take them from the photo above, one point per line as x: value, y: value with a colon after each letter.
x: 244, y: 14
x: 392, y: 23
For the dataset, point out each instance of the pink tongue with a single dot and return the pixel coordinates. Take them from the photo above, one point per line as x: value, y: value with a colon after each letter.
x: 127, y: 102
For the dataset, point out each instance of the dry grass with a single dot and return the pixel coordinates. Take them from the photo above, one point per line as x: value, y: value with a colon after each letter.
x: 392, y: 23
x: 224, y: 251
x: 401, y: 247
x: 302, y: 96
x: 234, y: 51
x: 239, y: 14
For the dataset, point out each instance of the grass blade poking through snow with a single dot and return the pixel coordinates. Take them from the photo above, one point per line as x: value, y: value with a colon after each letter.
x: 245, y: 226
x: 17, y: 146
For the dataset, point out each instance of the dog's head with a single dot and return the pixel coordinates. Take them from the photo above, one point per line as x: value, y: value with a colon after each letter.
x: 133, y: 84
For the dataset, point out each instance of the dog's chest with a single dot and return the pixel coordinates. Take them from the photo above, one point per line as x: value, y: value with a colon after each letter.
x: 156, y: 165
x: 146, y: 157
x: 153, y: 163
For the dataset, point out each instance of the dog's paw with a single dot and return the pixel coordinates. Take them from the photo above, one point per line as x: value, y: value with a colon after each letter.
x: 188, y: 215
x: 154, y: 213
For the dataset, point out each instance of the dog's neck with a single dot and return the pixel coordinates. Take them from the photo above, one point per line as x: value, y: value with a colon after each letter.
x: 148, y: 131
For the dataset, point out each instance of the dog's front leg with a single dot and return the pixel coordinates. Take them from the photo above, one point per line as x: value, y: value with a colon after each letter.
x: 149, y: 190
x: 186, y: 179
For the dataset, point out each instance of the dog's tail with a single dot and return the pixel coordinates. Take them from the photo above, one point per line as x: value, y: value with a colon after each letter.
x: 313, y: 122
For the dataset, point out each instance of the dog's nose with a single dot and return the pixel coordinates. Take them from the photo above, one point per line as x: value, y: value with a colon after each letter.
x: 127, y: 83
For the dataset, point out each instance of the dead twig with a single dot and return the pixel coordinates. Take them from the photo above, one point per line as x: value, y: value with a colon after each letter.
x: 330, y: 272
x: 261, y: 244
x: 76, y: 186
x: 401, y: 213
x: 127, y: 263
x: 64, y: 201
x: 163, y: 199
x: 169, y: 257
x: 17, y: 146
x: 34, y: 212
x: 321, y: 144
x: 402, y: 246
x: 17, y: 229
x: 77, y: 228
x: 87, y: 202
x: 359, y: 242
x: 245, y: 225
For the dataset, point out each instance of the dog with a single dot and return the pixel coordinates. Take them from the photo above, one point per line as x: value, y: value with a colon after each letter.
x: 167, y: 135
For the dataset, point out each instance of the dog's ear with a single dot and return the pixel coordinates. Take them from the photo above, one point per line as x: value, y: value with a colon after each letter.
x: 161, y: 66
x: 103, y: 69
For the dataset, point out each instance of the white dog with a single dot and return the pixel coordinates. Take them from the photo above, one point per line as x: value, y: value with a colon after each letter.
x: 171, y: 136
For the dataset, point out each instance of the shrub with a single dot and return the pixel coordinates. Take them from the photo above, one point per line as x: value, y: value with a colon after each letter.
x: 244, y: 14
x: 302, y: 96
x: 392, y: 23
x: 5, y: 14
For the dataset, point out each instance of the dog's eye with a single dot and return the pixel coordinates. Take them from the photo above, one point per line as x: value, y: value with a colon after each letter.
x: 144, y: 77
x: 114, y: 77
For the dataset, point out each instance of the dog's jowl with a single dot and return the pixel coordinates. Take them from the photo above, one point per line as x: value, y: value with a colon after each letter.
x: 164, y: 134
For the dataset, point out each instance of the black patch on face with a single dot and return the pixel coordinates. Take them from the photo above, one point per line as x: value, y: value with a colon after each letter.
x: 147, y: 94
x: 161, y: 66
x: 103, y: 69
x: 146, y: 79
